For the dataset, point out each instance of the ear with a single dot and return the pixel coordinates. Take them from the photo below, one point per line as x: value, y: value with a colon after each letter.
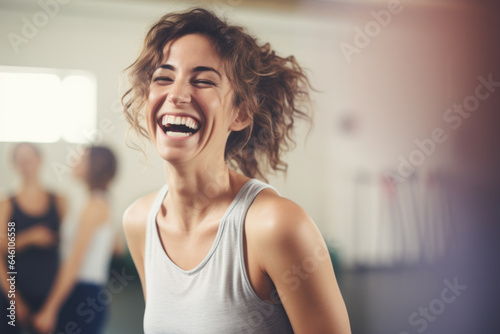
x: 240, y: 122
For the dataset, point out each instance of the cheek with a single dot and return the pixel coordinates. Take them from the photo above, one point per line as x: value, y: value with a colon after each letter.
x: 154, y: 95
x: 228, y: 110
x: 153, y: 103
x: 215, y: 106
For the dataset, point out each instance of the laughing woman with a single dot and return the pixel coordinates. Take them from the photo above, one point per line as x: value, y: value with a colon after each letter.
x: 217, y: 250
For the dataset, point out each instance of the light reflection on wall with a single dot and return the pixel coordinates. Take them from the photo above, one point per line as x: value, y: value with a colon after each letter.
x: 46, y: 105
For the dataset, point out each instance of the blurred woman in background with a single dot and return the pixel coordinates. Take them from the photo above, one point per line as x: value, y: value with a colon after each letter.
x: 37, y: 214
x: 84, y: 273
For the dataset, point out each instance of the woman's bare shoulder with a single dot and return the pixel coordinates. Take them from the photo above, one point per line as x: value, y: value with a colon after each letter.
x: 272, y: 214
x: 4, y: 202
x: 134, y: 217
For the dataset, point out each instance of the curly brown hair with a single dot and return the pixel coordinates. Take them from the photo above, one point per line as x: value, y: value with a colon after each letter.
x: 268, y: 89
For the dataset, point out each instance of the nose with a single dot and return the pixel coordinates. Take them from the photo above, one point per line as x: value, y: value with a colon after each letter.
x: 178, y: 93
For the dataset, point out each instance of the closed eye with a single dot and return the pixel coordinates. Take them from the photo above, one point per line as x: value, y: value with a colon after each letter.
x: 204, y: 83
x: 163, y: 79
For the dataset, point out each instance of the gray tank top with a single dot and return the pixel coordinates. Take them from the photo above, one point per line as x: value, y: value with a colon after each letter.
x: 216, y: 296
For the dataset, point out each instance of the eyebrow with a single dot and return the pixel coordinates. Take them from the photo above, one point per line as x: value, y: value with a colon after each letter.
x: 196, y: 69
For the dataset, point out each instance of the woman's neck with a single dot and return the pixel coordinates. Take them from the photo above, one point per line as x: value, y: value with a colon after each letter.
x: 31, y: 186
x: 193, y: 194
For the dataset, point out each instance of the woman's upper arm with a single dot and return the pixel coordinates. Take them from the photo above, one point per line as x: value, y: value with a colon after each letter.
x: 134, y: 226
x: 296, y: 258
x: 119, y: 246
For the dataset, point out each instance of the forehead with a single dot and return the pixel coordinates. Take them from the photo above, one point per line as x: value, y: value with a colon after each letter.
x: 190, y: 51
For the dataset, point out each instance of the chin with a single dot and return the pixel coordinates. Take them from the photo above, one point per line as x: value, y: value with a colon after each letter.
x: 172, y: 154
x: 172, y: 157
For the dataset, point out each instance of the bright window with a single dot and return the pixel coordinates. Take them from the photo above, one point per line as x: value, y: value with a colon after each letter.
x: 46, y: 105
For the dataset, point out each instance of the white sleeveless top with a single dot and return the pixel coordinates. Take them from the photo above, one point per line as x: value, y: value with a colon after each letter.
x: 95, y: 265
x: 216, y: 296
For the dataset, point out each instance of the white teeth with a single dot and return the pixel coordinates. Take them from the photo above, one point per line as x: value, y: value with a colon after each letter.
x: 178, y: 120
x: 178, y: 134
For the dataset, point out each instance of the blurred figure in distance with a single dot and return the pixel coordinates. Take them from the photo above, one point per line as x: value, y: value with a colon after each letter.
x: 37, y: 214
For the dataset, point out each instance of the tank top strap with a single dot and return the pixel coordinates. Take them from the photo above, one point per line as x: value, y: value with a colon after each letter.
x: 53, y: 204
x: 53, y: 214
x: 235, y: 234
x: 151, y: 226
x: 16, y: 212
x: 247, y: 195
x: 156, y: 205
x: 52, y: 198
x: 13, y: 202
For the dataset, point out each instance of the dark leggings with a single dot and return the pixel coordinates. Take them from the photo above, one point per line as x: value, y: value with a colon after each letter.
x: 84, y: 310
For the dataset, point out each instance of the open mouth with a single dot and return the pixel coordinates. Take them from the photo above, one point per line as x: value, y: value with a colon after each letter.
x: 179, y: 126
